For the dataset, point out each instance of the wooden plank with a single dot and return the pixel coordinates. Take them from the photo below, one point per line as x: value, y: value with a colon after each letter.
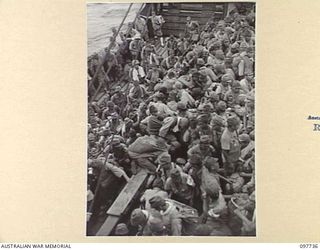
x: 108, y: 225
x: 195, y: 17
x: 127, y: 194
x: 122, y: 202
x: 198, y: 7
x: 191, y: 6
x: 183, y: 21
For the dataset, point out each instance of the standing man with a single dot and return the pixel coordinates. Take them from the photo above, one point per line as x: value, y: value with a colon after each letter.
x: 157, y: 22
x: 230, y: 145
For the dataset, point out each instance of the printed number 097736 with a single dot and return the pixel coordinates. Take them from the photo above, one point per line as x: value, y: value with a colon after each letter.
x: 308, y: 245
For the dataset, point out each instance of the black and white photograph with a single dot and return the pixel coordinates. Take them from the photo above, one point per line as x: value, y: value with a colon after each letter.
x: 171, y: 119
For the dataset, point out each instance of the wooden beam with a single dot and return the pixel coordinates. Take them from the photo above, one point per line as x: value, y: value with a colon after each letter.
x: 123, y: 202
x: 126, y: 195
x: 108, y: 226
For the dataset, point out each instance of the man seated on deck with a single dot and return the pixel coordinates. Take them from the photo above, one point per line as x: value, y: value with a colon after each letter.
x: 160, y: 105
x: 136, y: 73
x: 119, y: 99
x: 136, y: 92
x: 135, y: 47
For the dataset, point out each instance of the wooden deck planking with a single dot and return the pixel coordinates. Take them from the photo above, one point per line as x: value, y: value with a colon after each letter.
x: 175, y: 15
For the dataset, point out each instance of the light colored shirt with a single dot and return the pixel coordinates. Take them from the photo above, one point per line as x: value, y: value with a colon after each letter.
x: 230, y: 142
x: 135, y: 73
x: 245, y: 85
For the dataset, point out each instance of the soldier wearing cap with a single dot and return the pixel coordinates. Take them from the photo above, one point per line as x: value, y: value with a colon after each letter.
x: 131, y: 32
x: 203, y: 126
x: 203, y: 149
x: 135, y: 47
x: 160, y: 105
x: 111, y: 110
x: 247, y: 37
x: 247, y: 82
x: 148, y: 56
x: 157, y: 22
x: 246, y: 62
x: 218, y: 124
x: 170, y: 215
x: 247, y: 146
x: 168, y: 62
x: 119, y: 99
x: 230, y: 145
x: 120, y: 153
x: 153, y: 76
x: 239, y: 50
x: 164, y: 166
x: 234, y: 50
x: 191, y: 136
x: 180, y: 186
x: 194, y: 169
x: 224, y: 86
x: 141, y: 219
x: 219, y: 58
x: 232, y: 97
x: 137, y: 92
x: 136, y: 73
x: 157, y: 190
x: 173, y: 130
x: 209, y: 72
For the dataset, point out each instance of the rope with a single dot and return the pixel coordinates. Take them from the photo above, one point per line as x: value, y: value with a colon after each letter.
x: 100, y: 86
x: 108, y: 50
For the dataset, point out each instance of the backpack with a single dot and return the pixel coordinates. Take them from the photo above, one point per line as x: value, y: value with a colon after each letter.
x: 209, y: 184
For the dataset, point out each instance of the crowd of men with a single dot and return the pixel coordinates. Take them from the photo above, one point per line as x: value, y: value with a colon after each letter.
x: 180, y: 108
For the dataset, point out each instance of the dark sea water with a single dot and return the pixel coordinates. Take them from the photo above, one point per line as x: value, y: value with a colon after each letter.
x: 101, y: 17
